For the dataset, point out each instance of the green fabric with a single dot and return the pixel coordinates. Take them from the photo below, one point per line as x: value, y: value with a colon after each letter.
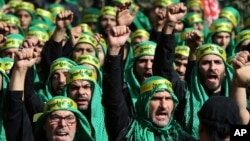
x: 27, y: 6
x: 12, y: 41
x: 96, y: 108
x: 12, y: 19
x: 197, y: 96
x: 142, y: 128
x: 241, y: 37
x: 38, y: 32
x: 91, y: 15
x: 5, y: 81
x: 145, y: 48
x: 45, y: 16
x: 230, y: 48
x: 58, y: 64
x: 94, y: 61
x: 83, y: 131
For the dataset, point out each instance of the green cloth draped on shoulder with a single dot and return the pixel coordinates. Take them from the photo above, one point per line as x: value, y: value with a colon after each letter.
x: 80, y: 72
x: 142, y: 128
x: 197, y: 94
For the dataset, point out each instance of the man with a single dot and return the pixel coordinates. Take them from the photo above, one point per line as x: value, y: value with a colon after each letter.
x: 211, y: 76
x: 221, y: 34
x: 82, y: 87
x: 13, y: 24
x: 57, y: 78
x: 181, y: 60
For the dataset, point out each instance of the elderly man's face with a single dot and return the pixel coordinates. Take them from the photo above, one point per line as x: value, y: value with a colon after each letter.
x: 81, y: 92
x: 161, y: 107
x: 60, y: 126
x: 212, y: 72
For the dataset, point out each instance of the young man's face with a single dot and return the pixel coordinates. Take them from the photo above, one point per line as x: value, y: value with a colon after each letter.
x: 181, y: 66
x: 211, y: 72
x: 58, y: 81
x: 60, y: 125
x: 81, y: 92
x: 222, y: 39
x: 107, y: 21
x: 161, y: 107
x: 25, y: 18
x: 143, y: 67
x: 83, y: 48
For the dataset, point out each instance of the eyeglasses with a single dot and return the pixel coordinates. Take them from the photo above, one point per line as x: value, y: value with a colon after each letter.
x: 69, y: 120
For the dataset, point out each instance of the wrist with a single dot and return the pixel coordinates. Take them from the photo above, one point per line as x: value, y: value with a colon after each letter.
x: 114, y: 50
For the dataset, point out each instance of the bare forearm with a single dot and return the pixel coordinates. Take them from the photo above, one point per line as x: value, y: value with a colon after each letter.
x: 17, y: 80
x: 58, y: 35
x: 239, y: 95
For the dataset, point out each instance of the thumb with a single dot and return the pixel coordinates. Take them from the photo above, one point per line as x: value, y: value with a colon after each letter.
x: 136, y: 8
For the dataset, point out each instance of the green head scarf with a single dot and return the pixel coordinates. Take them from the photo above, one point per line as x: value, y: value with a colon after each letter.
x: 88, y: 38
x: 38, y: 32
x: 12, y: 41
x: 55, y: 9
x: 191, y: 3
x: 27, y: 6
x: 12, y: 19
x: 146, y: 48
x: 140, y: 33
x: 192, y: 18
x: 45, y: 15
x: 222, y: 25
x: 163, y: 3
x: 61, y: 63
x: 120, y: 2
x: 143, y: 128
x: 182, y: 50
x: 14, y: 3
x: 241, y: 36
x: 40, y: 23
x: 231, y: 14
x: 86, y: 28
x: 8, y: 63
x: 5, y: 81
x: 91, y: 15
x: 108, y: 10
x: 198, y: 94
x: 94, y: 61
x: 81, y: 72
x: 83, y: 131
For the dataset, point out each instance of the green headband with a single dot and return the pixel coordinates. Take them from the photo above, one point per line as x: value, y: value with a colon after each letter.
x: 231, y: 14
x: 108, y: 10
x: 8, y: 63
x: 38, y: 32
x: 122, y: 2
x: 164, y: 3
x: 13, y: 3
x: 91, y: 15
x: 140, y: 32
x: 192, y: 3
x: 243, y: 35
x: 152, y: 85
x: 87, y: 38
x: 12, y: 41
x: 27, y: 6
x: 145, y: 48
x: 59, y: 103
x: 182, y: 50
x: 61, y: 64
x: 89, y: 59
x: 56, y: 8
x: 86, y: 28
x: 2, y: 69
x: 192, y: 18
x: 45, y: 14
x: 210, y: 49
x: 11, y: 19
x: 221, y: 25
x: 80, y: 72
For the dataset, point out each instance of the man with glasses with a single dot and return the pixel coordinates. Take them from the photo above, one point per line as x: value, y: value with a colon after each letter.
x: 60, y: 120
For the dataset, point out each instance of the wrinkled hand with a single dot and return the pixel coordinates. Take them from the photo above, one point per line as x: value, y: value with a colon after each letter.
x: 194, y: 39
x: 241, y: 59
x: 117, y: 37
x: 64, y: 19
x: 175, y: 12
x: 75, y: 34
x: 25, y: 58
x: 124, y: 17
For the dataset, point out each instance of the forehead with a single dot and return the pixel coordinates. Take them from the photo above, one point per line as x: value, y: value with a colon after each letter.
x: 162, y: 93
x: 211, y: 57
x: 80, y: 82
x: 108, y: 17
x: 60, y: 71
x: 84, y: 45
x: 22, y: 12
x: 222, y: 34
x: 62, y: 113
x: 146, y: 57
